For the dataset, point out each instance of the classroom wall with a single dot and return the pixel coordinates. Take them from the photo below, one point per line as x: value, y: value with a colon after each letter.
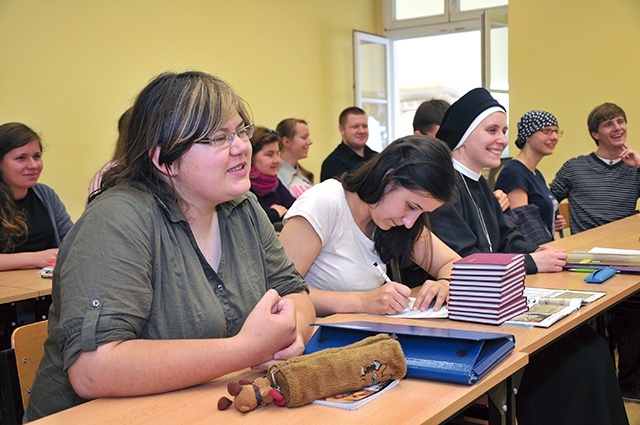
x: 568, y: 57
x: 69, y: 68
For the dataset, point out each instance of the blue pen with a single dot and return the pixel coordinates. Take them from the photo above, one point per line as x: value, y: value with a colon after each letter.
x: 382, y: 273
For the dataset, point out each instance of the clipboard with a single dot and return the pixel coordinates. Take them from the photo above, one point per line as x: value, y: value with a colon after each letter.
x: 447, y: 355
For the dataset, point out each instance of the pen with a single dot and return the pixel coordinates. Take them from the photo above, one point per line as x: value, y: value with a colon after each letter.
x: 586, y: 270
x: 382, y: 273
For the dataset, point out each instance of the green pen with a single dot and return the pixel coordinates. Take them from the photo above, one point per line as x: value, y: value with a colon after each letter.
x: 582, y: 270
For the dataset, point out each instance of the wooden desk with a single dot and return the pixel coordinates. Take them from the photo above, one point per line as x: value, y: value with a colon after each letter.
x: 22, y: 290
x: 17, y: 285
x: 430, y: 402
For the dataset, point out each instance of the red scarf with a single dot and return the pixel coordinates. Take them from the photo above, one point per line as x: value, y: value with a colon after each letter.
x: 261, y: 183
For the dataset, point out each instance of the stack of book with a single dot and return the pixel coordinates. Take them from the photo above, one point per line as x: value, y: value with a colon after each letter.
x: 487, y: 288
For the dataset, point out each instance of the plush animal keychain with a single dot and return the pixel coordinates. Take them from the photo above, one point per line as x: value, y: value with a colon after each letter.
x: 250, y: 394
x: 303, y: 379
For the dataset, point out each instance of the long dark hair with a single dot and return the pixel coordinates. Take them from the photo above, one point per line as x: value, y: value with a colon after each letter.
x: 418, y: 163
x: 173, y: 112
x: 13, y: 222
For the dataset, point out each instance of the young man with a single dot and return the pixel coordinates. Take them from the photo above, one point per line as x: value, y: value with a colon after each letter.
x: 613, y: 166
x: 602, y: 187
x: 429, y: 116
x: 353, y: 150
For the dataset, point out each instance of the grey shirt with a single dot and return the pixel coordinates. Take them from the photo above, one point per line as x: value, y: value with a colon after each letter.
x: 130, y: 268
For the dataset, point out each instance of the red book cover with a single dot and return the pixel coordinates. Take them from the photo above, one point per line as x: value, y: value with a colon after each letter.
x: 518, y: 306
x: 473, y: 300
x: 479, y: 281
x: 490, y: 261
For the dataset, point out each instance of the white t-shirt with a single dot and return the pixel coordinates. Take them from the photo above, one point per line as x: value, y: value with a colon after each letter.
x: 295, y: 181
x: 345, y: 262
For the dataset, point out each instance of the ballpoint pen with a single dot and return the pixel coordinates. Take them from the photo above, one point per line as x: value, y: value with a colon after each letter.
x: 382, y: 273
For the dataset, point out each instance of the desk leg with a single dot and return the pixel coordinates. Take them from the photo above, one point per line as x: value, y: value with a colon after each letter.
x: 502, y: 400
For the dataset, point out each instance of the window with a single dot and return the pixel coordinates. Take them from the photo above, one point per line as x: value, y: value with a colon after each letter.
x: 442, y: 49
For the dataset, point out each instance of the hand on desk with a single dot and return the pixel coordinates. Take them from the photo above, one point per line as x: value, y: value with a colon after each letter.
x: 431, y: 290
x: 271, y: 328
x: 549, y: 259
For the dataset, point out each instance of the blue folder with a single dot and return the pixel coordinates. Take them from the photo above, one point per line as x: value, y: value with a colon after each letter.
x: 447, y: 355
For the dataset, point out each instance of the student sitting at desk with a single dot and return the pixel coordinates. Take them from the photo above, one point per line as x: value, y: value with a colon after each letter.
x: 33, y: 220
x: 173, y: 275
x: 272, y: 194
x: 336, y: 230
x: 572, y: 380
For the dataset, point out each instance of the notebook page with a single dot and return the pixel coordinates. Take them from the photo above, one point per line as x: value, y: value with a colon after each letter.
x: 614, y: 251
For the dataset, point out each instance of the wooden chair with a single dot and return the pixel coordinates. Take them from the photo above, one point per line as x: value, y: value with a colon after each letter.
x: 18, y: 366
x: 28, y: 343
x: 563, y: 209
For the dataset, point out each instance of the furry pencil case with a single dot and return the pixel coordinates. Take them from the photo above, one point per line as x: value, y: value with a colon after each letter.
x: 303, y: 379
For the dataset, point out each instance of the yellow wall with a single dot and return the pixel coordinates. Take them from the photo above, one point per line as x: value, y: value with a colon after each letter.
x: 69, y: 68
x: 569, y: 56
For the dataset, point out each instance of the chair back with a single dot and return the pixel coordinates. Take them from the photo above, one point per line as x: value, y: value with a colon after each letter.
x: 28, y: 343
x: 563, y: 209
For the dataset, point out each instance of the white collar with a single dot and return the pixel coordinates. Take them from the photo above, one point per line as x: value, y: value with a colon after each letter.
x: 464, y: 170
x: 609, y: 161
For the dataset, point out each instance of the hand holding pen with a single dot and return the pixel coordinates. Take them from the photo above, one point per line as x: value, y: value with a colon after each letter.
x: 390, y: 298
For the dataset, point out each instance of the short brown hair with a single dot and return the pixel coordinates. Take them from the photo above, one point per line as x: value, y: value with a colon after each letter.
x: 351, y: 110
x: 602, y: 113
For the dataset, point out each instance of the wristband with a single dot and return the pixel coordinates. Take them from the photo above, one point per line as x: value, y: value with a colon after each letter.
x: 448, y: 279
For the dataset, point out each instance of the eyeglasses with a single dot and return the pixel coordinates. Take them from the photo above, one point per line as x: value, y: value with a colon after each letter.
x: 243, y: 134
x: 549, y: 130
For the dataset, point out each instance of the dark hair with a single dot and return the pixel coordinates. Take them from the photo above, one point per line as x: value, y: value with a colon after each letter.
x: 351, y: 110
x: 429, y: 113
x: 13, y: 222
x: 287, y: 128
x: 123, y: 123
x: 172, y: 112
x: 418, y: 163
x: 263, y: 136
x: 602, y: 113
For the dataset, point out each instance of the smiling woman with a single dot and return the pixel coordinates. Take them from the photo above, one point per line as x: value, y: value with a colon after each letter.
x: 33, y: 220
x: 336, y: 231
x: 273, y: 195
x: 144, y: 295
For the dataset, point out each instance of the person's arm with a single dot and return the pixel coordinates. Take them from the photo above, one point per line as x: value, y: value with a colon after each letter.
x: 517, y: 198
x: 155, y: 366
x: 437, y: 259
x: 303, y: 245
x: 561, y: 184
x: 28, y: 260
x: 503, y: 199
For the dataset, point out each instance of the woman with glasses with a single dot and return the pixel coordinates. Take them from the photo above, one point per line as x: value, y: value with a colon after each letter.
x: 272, y: 194
x: 520, y: 179
x: 173, y: 276
x: 561, y: 384
x: 294, y: 146
x: 33, y: 220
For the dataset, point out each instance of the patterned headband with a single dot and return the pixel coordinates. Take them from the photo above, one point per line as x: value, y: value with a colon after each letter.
x: 531, y: 122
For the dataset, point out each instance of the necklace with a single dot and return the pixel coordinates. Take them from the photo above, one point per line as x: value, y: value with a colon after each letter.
x: 482, y: 222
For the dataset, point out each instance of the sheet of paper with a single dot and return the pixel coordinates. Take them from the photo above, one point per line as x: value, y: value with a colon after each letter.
x: 428, y: 314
